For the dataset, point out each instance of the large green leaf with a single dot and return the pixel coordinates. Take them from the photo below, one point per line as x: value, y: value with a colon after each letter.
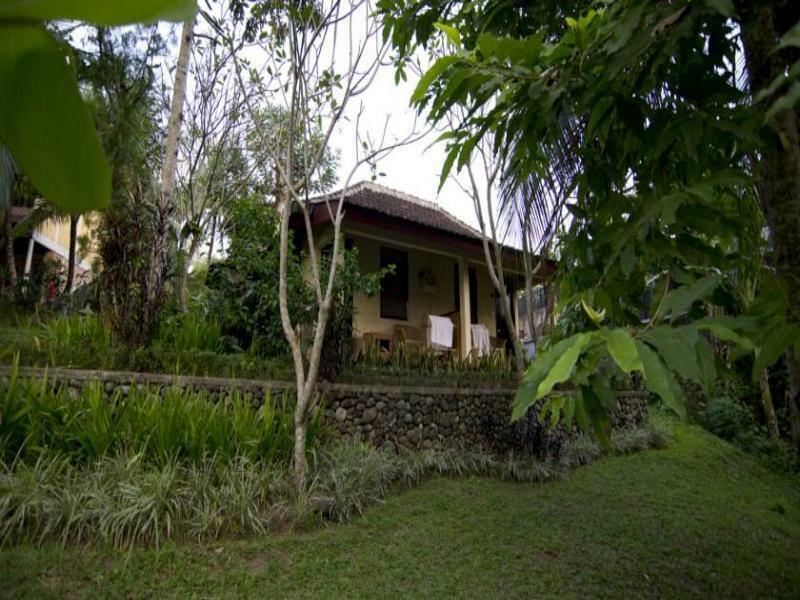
x: 526, y: 50
x: 538, y: 370
x: 706, y: 364
x: 679, y: 300
x: 99, y: 12
x: 45, y: 123
x: 676, y: 345
x: 660, y: 380
x: 776, y: 341
x: 623, y: 350
x: 430, y: 75
x: 451, y: 32
x: 564, y: 364
x: 723, y: 330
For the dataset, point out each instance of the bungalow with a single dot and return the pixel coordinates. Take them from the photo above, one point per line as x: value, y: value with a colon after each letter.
x: 50, y: 240
x: 439, y: 270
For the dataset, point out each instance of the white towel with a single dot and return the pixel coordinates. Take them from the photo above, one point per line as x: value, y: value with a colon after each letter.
x: 480, y: 339
x: 440, y: 332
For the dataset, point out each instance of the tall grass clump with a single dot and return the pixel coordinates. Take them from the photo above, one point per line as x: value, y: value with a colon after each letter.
x: 189, y: 332
x: 124, y: 501
x: 159, y: 425
x: 78, y: 341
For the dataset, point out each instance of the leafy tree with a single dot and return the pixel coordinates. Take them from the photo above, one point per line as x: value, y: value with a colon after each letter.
x: 117, y: 74
x: 165, y: 207
x: 315, y: 64
x: 213, y: 168
x: 243, y: 287
x: 275, y: 120
x: 244, y: 291
x: 640, y: 115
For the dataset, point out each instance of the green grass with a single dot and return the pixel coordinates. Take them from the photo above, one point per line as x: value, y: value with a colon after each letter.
x: 696, y: 519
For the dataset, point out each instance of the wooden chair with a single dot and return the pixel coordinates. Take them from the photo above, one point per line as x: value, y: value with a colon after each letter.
x: 411, y: 338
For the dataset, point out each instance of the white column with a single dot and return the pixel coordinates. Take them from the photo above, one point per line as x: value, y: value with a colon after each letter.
x: 515, y: 310
x: 28, y: 259
x: 465, y: 334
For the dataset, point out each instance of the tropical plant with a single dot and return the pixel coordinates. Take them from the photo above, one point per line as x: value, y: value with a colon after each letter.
x: 42, y: 420
x: 116, y: 70
x: 40, y: 95
x: 635, y: 117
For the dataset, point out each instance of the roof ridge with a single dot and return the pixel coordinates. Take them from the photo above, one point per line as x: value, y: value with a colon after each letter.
x: 410, y: 198
x: 400, y: 194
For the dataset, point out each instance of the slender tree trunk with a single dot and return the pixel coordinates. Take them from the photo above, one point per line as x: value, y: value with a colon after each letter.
x: 779, y: 176
x: 211, y: 241
x: 299, y: 462
x: 8, y: 237
x: 73, y: 242
x: 158, y: 266
x: 769, y: 407
x: 183, y: 277
x: 516, y: 343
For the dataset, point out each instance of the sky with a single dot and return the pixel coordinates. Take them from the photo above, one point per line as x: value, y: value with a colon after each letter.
x: 413, y: 169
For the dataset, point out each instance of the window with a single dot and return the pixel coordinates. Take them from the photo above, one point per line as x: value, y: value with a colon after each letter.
x: 394, y: 287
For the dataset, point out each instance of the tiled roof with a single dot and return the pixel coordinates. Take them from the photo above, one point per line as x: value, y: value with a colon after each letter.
x: 379, y: 198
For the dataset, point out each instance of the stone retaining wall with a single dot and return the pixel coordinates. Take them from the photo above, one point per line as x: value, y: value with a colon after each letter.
x: 398, y: 417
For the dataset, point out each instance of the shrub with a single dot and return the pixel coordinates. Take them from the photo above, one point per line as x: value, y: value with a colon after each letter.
x: 729, y: 418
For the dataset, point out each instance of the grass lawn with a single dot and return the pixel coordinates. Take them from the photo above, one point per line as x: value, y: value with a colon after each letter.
x: 699, y: 518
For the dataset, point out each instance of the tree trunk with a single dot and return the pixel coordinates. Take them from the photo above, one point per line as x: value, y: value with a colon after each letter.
x: 158, y: 266
x: 300, y: 464
x: 779, y: 175
x: 183, y: 277
x: 527, y: 259
x: 516, y: 344
x: 73, y: 242
x: 211, y: 241
x: 769, y: 408
x: 8, y: 236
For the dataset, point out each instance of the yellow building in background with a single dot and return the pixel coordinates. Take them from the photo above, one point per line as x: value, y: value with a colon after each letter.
x: 50, y: 241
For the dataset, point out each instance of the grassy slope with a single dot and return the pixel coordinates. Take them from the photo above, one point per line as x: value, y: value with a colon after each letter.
x: 695, y: 519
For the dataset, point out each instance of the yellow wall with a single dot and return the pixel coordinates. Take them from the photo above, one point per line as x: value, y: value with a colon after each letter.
x: 58, y: 231
x: 422, y: 255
